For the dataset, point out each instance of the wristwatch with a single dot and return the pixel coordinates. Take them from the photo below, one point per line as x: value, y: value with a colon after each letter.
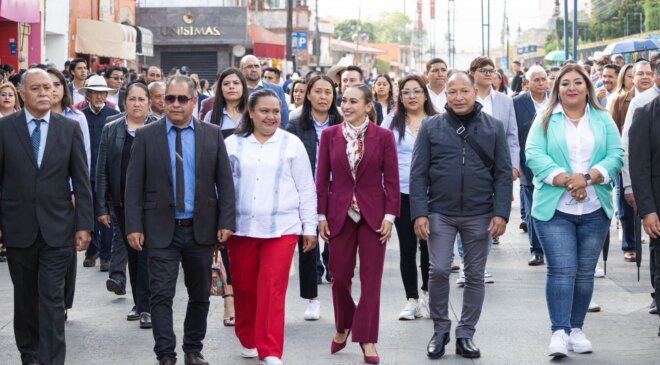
x: 588, y: 178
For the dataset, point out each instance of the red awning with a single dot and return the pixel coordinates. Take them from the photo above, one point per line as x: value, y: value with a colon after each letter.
x: 266, y: 43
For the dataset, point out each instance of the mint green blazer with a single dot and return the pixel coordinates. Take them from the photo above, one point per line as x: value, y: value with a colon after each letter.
x: 547, y: 153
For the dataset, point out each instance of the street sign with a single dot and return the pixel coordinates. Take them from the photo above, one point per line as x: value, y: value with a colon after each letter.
x: 299, y: 41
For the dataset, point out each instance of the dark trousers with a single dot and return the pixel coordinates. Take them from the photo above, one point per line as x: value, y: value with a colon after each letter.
x: 626, y: 215
x: 37, y: 273
x: 364, y: 319
x: 138, y: 267
x: 196, y: 261
x: 526, y: 200
x: 408, y: 252
x: 225, y: 261
x: 101, y: 237
x: 70, y: 279
x: 307, y: 271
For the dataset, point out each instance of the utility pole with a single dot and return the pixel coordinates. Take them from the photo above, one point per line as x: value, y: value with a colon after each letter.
x: 485, y: 23
x: 575, y: 24
x: 289, y: 30
x: 317, y: 38
x: 566, y: 30
x: 449, y: 34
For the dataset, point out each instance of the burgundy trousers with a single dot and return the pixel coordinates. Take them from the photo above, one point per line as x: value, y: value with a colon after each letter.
x: 357, y: 238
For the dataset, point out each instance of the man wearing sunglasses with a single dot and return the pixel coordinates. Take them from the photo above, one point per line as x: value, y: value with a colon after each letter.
x: 114, y: 77
x: 180, y: 205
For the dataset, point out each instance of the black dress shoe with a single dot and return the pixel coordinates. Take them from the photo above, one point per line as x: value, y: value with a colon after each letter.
x: 90, y: 261
x: 523, y: 226
x: 133, y: 315
x: 653, y: 309
x: 115, y: 286
x: 145, y: 320
x: 536, y: 260
x: 466, y: 348
x: 328, y: 277
x: 436, y: 347
x: 105, y: 266
x: 195, y: 358
x: 166, y: 362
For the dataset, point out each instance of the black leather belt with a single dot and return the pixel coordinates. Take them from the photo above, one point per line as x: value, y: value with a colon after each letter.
x: 183, y: 222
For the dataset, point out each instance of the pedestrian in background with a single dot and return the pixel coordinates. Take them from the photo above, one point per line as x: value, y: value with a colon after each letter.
x: 414, y: 105
x: 9, y: 102
x: 356, y: 214
x: 276, y: 202
x: 319, y: 112
x: 383, y: 90
x: 574, y: 151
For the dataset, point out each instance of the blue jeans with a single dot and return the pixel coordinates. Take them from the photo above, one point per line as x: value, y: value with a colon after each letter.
x: 626, y: 215
x: 572, y: 245
x: 101, y: 237
x: 526, y: 200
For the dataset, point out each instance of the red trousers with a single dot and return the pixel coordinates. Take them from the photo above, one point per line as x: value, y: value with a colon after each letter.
x: 357, y: 238
x: 260, y: 276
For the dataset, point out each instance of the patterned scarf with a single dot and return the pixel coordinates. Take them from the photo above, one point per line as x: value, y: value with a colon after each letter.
x: 354, y: 152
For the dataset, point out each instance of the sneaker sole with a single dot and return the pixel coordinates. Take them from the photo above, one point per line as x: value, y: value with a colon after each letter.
x: 558, y: 354
x: 406, y: 318
x: 580, y: 350
x: 249, y: 356
x: 312, y: 318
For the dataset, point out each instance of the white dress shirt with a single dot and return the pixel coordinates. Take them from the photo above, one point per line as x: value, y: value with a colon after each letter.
x: 275, y: 190
x: 637, y: 102
x: 487, y: 103
x: 580, y: 143
x: 438, y: 100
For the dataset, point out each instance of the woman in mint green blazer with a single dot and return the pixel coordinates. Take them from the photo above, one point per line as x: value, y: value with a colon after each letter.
x: 574, y: 151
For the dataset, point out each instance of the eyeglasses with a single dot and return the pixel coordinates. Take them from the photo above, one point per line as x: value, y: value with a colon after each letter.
x: 251, y: 66
x: 412, y: 93
x: 486, y: 71
x: 182, y: 99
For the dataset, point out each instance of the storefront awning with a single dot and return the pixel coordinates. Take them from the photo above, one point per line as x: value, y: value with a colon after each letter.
x: 145, y: 42
x: 105, y: 39
x: 24, y: 11
x: 266, y: 43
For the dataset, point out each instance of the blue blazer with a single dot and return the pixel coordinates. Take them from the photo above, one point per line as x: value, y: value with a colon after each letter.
x: 525, y: 114
x: 547, y: 153
x: 280, y: 93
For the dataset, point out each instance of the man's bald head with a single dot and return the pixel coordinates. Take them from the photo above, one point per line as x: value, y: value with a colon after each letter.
x: 461, y: 93
x: 251, y: 69
x: 248, y: 59
x: 460, y: 76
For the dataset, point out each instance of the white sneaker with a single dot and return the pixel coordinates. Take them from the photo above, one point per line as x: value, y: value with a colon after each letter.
x: 410, y: 311
x: 578, y: 342
x: 558, y: 344
x: 272, y: 360
x: 313, y: 311
x: 488, y: 278
x: 593, y: 307
x: 461, y: 277
x: 249, y: 353
x: 599, y: 273
x: 424, y: 305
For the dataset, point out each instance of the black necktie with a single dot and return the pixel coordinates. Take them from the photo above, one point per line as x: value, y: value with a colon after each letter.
x: 180, y: 189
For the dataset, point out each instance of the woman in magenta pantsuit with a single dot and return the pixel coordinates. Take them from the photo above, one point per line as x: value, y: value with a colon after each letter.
x: 356, y: 214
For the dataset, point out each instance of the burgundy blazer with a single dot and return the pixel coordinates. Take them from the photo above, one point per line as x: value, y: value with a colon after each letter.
x: 207, y: 106
x: 376, y: 186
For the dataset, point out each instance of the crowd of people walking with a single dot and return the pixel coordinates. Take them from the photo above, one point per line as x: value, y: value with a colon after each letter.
x: 227, y: 181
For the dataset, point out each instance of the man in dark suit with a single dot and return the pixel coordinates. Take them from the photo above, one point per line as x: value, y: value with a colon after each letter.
x: 251, y: 69
x: 179, y: 205
x: 644, y: 163
x: 527, y: 106
x: 40, y: 153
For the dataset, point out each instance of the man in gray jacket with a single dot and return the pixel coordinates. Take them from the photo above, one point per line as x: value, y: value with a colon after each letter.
x: 460, y: 182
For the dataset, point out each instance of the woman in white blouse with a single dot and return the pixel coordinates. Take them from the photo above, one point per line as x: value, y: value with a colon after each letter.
x: 275, y: 202
x: 574, y: 151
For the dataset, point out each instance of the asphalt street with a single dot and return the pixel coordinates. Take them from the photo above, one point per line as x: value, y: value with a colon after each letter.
x: 514, y: 326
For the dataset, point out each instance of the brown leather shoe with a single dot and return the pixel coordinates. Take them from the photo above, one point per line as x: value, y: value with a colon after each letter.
x: 167, y: 362
x: 195, y: 358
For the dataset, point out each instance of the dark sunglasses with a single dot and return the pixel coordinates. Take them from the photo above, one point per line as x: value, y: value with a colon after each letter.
x: 182, y: 99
